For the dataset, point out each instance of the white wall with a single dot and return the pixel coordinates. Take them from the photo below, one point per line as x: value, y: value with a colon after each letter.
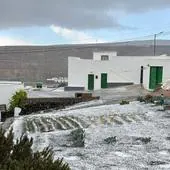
x: 122, y: 69
x: 7, y: 89
x: 111, y: 54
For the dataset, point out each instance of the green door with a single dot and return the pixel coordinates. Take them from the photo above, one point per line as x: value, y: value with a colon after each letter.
x: 90, y: 81
x: 103, y: 80
x: 155, y: 77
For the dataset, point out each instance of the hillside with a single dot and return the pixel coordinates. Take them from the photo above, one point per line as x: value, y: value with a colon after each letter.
x: 35, y: 63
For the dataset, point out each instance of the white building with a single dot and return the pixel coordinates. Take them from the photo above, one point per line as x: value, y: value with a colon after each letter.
x: 106, y: 69
x: 7, y: 89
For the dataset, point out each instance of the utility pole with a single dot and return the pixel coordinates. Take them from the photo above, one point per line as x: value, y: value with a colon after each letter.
x: 154, y: 46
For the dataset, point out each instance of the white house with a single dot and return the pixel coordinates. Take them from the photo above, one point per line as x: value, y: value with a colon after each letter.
x: 106, y: 69
x: 7, y: 89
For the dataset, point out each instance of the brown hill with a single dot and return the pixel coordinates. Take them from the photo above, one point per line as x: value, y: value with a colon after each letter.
x: 36, y: 63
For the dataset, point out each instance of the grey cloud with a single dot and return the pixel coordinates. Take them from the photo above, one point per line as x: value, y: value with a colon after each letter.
x: 77, y: 14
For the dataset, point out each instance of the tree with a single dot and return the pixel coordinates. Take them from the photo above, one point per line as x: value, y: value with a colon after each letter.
x: 17, y: 100
x: 20, y: 156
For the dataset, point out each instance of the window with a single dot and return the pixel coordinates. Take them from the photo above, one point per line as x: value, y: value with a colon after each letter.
x: 104, y: 57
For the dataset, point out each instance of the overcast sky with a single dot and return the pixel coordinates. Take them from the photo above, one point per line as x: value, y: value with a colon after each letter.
x: 32, y: 21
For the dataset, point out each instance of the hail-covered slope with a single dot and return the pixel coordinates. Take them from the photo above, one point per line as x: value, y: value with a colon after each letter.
x: 131, y: 124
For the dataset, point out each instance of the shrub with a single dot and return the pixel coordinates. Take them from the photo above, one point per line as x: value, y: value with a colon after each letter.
x: 140, y: 99
x: 17, y: 100
x: 144, y: 140
x: 123, y: 102
x: 78, y: 137
x: 153, y: 163
x: 111, y: 140
x: 20, y: 156
x: 149, y: 98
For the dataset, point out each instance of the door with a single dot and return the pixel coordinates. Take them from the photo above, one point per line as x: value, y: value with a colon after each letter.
x: 103, y: 80
x: 152, y: 82
x: 155, y: 77
x: 90, y: 81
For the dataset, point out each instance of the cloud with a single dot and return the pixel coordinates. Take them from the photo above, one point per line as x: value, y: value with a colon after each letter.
x: 7, y: 41
x: 75, y: 37
x: 72, y: 14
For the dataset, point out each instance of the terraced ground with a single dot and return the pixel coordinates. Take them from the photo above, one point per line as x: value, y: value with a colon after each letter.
x: 49, y: 124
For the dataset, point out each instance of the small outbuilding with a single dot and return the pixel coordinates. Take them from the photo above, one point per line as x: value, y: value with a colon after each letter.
x: 7, y: 89
x: 107, y: 70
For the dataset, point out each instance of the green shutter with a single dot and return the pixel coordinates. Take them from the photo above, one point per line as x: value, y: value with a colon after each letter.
x: 159, y: 73
x: 152, y: 82
x: 90, y: 81
x: 104, y: 80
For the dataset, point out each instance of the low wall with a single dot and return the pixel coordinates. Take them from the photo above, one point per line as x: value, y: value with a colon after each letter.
x: 69, y: 88
x: 112, y: 85
x: 39, y: 104
x: 32, y: 105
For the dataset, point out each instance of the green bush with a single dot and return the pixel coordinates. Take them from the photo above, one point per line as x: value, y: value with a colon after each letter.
x: 17, y: 100
x: 123, y: 102
x: 19, y: 156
